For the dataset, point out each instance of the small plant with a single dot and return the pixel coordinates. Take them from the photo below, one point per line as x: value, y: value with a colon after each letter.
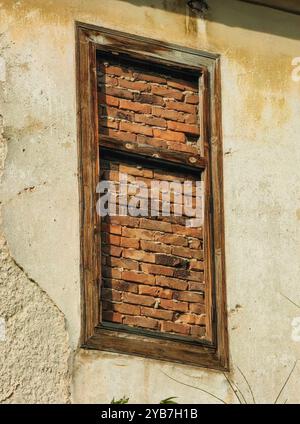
x: 122, y: 401
x: 168, y: 401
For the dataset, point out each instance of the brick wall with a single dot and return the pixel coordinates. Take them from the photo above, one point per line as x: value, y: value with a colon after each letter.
x: 156, y: 109
x: 152, y: 267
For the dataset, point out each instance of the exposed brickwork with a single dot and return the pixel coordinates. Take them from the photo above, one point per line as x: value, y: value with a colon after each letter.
x: 152, y: 268
x: 140, y: 107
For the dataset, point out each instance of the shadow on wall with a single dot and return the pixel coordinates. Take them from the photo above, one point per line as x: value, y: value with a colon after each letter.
x: 234, y: 13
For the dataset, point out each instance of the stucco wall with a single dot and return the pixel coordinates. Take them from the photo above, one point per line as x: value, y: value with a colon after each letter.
x: 40, y: 286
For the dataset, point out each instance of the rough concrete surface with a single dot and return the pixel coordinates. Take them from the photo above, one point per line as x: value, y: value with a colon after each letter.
x: 40, y: 297
x: 34, y: 350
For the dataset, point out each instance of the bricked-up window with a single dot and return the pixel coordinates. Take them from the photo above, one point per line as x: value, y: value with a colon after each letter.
x: 153, y: 273
x: 152, y: 266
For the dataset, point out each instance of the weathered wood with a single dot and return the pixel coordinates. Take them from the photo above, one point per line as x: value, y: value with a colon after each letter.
x: 88, y: 177
x: 189, y: 161
x: 208, y: 218
x: 220, y: 309
x: 157, y: 348
x: 180, y: 57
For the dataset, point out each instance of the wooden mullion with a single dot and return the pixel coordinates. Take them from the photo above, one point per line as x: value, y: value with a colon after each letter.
x: 143, y: 150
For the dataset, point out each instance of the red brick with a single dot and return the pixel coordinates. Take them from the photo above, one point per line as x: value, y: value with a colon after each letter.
x: 119, y: 92
x: 112, y: 316
x: 111, y: 295
x: 149, y: 99
x: 139, y: 255
x: 156, y: 291
x: 111, y: 228
x: 197, y: 308
x: 138, y: 277
x: 141, y: 322
x: 136, y: 107
x: 187, y: 231
x: 138, y: 299
x: 169, y: 135
x: 173, y: 239
x: 183, y: 85
x: 108, y: 100
x: 181, y: 107
x: 125, y: 220
x: 107, y: 79
x: 139, y: 234
x: 137, y: 172
x: 181, y: 273
x: 118, y: 114
x: 150, y: 120
x: 155, y: 247
x: 192, y: 98
x: 187, y: 296
x: 136, y: 128
x: 111, y: 239
x: 110, y: 175
x: 185, y: 252
x: 157, y: 269
x: 123, y: 263
x: 129, y: 242
x: 169, y: 260
x: 111, y: 272
x: 172, y: 327
x: 168, y: 114
x: 124, y: 136
x: 193, y: 286
x: 167, y: 92
x: 112, y: 250
x: 121, y: 285
x: 131, y: 170
x: 173, y: 283
x: 134, y: 85
x: 108, y: 123
x: 157, y: 313
x: 126, y: 308
x: 191, y: 319
x: 184, y: 128
x: 119, y: 71
x: 151, y: 224
x: 150, y: 78
x: 191, y: 118
x: 195, y: 276
x: 196, y: 265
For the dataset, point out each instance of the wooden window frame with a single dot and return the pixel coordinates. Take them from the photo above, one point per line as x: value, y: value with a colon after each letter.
x: 213, y: 352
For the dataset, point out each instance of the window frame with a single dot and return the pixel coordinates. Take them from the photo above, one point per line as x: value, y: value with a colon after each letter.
x: 213, y: 352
